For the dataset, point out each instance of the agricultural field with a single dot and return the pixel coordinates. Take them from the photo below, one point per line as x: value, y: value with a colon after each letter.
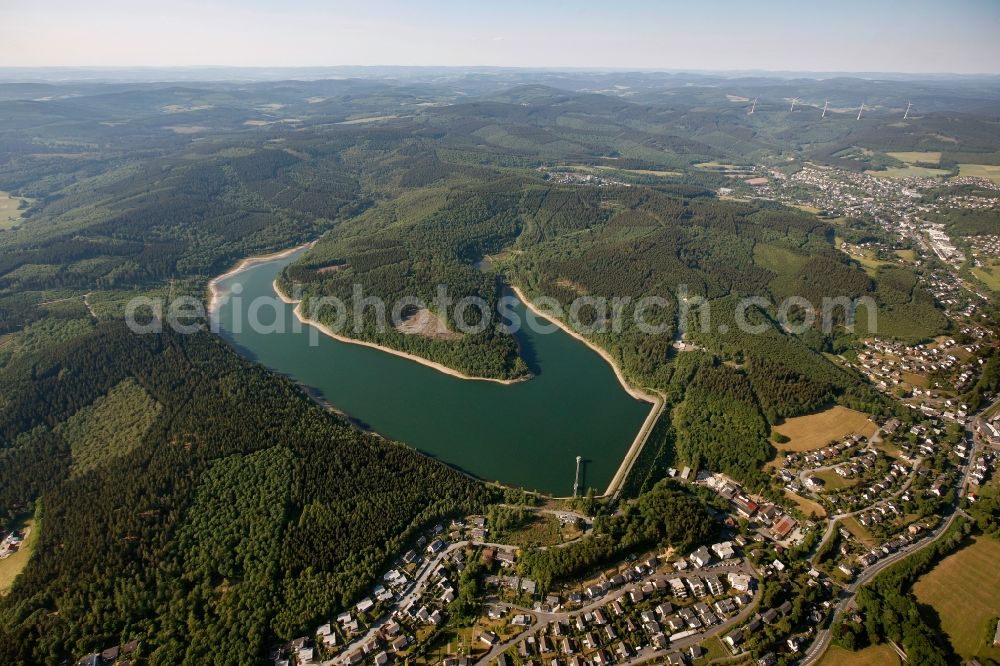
x: 876, y: 655
x: 964, y: 590
x: 913, y: 157
x: 980, y: 171
x: 910, y: 171
x: 11, y: 566
x: 641, y: 172
x: 10, y: 210
x: 815, y: 431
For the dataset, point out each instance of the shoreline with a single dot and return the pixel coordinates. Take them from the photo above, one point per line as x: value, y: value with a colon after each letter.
x: 244, y: 264
x: 325, y: 330
x: 655, y: 399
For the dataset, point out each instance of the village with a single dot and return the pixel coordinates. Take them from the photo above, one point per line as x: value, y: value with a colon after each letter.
x: 666, y: 606
x: 647, y: 606
x: 927, y: 377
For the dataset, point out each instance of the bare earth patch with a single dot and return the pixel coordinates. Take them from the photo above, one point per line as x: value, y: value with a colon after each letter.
x: 566, y: 283
x: 428, y: 324
x: 186, y: 129
x: 335, y: 268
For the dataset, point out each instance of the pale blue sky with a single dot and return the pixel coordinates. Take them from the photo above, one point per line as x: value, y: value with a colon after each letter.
x: 842, y: 35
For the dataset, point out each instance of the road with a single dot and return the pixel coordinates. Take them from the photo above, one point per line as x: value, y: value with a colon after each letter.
x: 833, y: 520
x: 416, y: 588
x: 823, y: 636
x: 413, y: 593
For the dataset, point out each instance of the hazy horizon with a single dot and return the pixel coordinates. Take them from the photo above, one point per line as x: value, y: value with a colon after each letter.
x: 921, y: 37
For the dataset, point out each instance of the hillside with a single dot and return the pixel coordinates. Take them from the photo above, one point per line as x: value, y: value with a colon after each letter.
x: 238, y: 504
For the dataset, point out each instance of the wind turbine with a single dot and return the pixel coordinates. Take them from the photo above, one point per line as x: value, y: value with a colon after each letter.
x: 753, y: 106
x: 794, y: 100
x: 826, y: 105
x: 861, y: 110
x: 907, y: 113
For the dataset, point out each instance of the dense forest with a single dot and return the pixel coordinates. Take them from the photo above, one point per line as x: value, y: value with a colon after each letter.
x: 627, y: 242
x: 664, y: 516
x: 233, y: 514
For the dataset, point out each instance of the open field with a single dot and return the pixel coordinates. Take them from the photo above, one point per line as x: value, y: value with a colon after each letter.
x: 912, y: 157
x: 817, y: 430
x: 909, y: 256
x: 835, y: 481
x: 852, y: 525
x: 10, y: 210
x: 914, y: 379
x: 807, y: 506
x: 989, y: 275
x: 863, y: 256
x: 909, y: 171
x: 876, y: 655
x: 965, y: 591
x: 714, y: 649
x: 11, y: 566
x: 598, y: 169
x: 368, y: 119
x: 889, y: 449
x: 541, y: 530
x: 870, y: 263
x: 981, y: 171
x: 805, y: 208
x: 642, y: 172
x: 450, y: 641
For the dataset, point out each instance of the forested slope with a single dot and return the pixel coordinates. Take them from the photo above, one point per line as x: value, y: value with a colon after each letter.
x: 233, y: 519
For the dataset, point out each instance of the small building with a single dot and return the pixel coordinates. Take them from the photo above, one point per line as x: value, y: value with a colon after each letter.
x: 739, y: 581
x: 701, y: 557
x: 715, y: 586
x: 724, y: 550
x: 783, y: 527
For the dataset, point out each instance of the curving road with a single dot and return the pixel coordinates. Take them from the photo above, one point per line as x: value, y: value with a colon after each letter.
x: 823, y: 636
x: 543, y: 619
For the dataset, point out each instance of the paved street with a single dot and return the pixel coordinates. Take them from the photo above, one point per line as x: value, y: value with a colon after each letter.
x: 822, y: 640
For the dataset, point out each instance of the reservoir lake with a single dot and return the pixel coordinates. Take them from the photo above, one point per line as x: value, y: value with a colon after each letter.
x: 526, y: 434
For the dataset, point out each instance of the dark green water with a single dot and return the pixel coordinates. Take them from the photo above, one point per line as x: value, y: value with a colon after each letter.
x: 526, y: 434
